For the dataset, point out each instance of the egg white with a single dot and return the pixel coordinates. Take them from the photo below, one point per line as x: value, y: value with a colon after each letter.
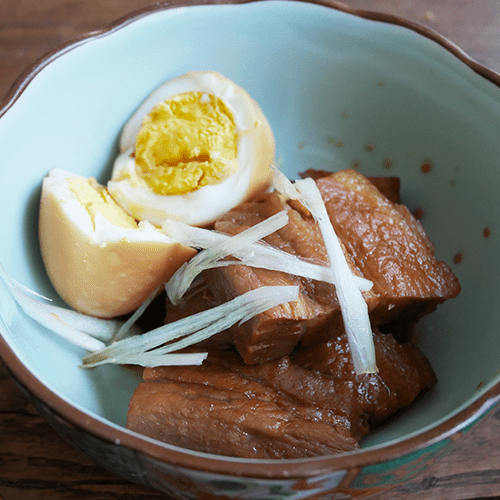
x: 255, y: 154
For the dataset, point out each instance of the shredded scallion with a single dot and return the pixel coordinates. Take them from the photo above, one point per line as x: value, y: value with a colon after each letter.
x: 84, y: 331
x: 193, y: 329
x: 208, y: 258
x: 257, y: 254
x: 352, y: 304
x: 128, y: 326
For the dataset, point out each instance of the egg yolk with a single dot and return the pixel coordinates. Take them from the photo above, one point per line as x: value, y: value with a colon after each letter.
x: 95, y: 198
x: 186, y: 142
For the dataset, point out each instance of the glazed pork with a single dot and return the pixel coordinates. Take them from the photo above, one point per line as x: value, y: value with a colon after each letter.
x: 382, y: 242
x: 389, y: 246
x: 310, y: 404
x: 282, y: 385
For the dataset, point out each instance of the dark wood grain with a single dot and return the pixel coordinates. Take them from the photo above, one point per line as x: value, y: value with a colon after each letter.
x: 35, y: 463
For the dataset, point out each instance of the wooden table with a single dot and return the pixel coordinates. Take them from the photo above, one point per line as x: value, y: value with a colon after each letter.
x: 35, y: 463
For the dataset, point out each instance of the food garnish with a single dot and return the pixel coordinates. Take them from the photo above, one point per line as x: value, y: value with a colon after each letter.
x: 153, y: 348
x: 177, y: 286
x: 92, y: 333
x: 352, y: 304
x: 257, y: 254
x: 85, y: 331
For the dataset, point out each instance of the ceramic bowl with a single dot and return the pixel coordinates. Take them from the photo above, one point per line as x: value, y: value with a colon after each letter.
x: 340, y: 88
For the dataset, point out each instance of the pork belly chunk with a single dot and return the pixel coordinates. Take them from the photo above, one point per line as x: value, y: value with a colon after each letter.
x: 381, y: 241
x: 389, y: 246
x: 404, y: 372
x: 389, y: 186
x: 216, y: 408
x: 309, y: 404
x: 276, y: 331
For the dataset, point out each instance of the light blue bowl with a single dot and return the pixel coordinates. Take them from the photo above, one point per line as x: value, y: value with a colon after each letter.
x: 340, y: 89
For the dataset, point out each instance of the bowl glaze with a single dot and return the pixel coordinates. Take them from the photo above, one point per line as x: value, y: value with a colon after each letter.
x: 340, y: 88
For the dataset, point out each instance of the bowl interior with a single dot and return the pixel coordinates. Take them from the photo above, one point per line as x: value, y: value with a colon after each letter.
x: 339, y: 91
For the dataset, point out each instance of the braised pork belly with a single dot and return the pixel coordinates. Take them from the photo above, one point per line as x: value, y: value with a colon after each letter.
x: 282, y: 384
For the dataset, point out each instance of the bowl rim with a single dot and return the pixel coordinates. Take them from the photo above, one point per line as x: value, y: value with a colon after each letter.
x: 264, y: 469
x: 252, y: 468
x: 23, y: 80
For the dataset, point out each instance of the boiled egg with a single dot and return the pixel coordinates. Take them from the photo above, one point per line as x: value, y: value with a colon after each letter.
x: 198, y: 146
x: 99, y: 259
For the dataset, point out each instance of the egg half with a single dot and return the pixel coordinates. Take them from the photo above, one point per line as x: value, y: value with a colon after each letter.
x: 198, y: 146
x: 99, y: 259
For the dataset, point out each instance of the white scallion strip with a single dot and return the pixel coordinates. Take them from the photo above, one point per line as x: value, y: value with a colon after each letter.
x: 353, y: 305
x: 195, y: 328
x: 283, y: 185
x: 152, y: 359
x: 82, y: 330
x: 208, y: 258
x: 46, y: 315
x: 126, y: 329
x: 258, y: 254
